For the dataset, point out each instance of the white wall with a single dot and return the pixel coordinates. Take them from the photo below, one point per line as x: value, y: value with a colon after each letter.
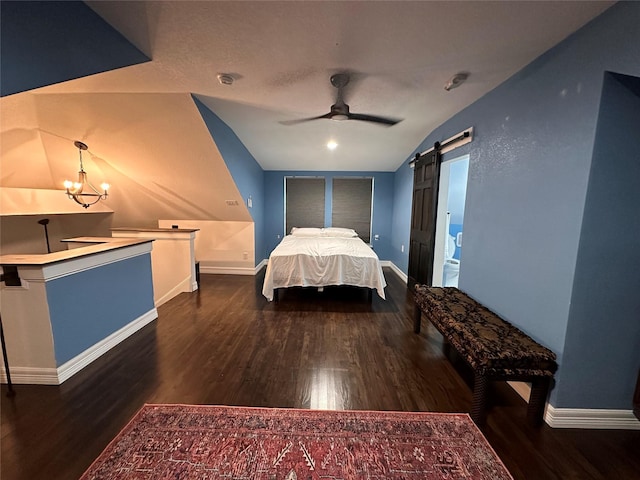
x: 221, y: 246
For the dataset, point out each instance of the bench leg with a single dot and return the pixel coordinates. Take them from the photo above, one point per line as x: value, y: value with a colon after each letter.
x: 480, y: 396
x: 417, y: 317
x: 537, y: 401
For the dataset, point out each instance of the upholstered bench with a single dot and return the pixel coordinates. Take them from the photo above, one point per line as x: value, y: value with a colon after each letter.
x: 494, y: 348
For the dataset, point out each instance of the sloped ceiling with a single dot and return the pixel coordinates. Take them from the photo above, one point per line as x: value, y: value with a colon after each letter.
x: 148, y: 140
x: 158, y: 167
x: 282, y: 54
x: 153, y: 148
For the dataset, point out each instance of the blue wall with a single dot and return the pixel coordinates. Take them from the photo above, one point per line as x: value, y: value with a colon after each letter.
x: 538, y: 176
x: 382, y: 205
x: 267, y: 190
x: 42, y: 43
x: 530, y: 161
x: 88, y: 306
x: 246, y: 172
x: 604, y: 319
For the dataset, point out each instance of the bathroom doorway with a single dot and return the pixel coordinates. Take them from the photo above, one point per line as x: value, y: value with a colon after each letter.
x: 452, y: 195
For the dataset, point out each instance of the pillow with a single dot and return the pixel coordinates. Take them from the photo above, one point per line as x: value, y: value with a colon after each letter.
x: 338, y: 232
x: 306, y: 232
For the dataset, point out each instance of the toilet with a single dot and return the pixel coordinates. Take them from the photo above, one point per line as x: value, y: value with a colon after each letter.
x: 451, y: 265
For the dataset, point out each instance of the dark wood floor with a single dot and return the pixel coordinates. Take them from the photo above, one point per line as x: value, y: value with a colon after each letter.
x: 225, y: 345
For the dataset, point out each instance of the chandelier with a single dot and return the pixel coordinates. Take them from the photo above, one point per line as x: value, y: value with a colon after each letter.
x: 82, y: 191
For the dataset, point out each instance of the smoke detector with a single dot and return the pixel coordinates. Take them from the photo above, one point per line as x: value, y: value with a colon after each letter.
x: 225, y: 79
x: 455, y: 81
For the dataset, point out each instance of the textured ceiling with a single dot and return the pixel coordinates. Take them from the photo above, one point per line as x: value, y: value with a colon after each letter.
x: 400, y: 55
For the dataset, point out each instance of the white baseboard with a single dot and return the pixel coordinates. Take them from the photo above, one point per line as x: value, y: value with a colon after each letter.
x: 233, y: 270
x: 262, y: 264
x: 396, y: 270
x: 73, y: 366
x: 591, y: 418
x: 184, y: 286
x: 582, y: 417
x: 228, y: 270
x: 31, y: 376
x: 53, y: 376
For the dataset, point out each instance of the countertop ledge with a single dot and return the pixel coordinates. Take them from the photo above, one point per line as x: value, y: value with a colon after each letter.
x: 95, y: 245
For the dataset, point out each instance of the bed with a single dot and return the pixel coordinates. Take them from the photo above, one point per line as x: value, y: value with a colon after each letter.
x: 320, y: 257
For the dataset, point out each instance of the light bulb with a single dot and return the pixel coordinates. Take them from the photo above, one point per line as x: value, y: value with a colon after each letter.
x: 68, y: 184
x: 105, y: 186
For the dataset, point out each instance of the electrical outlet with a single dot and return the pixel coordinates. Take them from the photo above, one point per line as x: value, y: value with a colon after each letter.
x: 376, y: 237
x: 402, y: 248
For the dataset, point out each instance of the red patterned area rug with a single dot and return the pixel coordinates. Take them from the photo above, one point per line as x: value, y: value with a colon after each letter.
x: 207, y: 442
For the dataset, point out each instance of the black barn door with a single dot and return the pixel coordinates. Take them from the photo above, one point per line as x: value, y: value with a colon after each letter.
x: 426, y: 176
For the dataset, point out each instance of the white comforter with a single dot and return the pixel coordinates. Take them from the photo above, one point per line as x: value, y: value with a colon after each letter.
x: 322, y: 261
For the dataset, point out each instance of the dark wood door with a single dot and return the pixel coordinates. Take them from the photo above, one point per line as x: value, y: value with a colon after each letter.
x: 426, y: 176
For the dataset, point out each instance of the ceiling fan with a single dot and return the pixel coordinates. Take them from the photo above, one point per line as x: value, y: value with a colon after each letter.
x: 340, y: 110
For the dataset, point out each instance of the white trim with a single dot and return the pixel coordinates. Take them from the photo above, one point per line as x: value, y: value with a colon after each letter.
x: 582, y: 417
x: 184, y: 286
x: 234, y: 270
x: 591, y: 418
x: 52, y: 376
x: 395, y: 269
x: 45, y: 273
x: 228, y: 270
x: 31, y: 376
x: 173, y: 234
x: 73, y: 366
x: 261, y: 265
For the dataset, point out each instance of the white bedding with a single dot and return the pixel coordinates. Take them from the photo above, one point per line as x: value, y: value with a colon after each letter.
x: 320, y: 261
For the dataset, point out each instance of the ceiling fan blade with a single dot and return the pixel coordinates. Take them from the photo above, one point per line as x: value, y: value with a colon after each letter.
x: 372, y: 118
x: 340, y: 109
x: 302, y: 120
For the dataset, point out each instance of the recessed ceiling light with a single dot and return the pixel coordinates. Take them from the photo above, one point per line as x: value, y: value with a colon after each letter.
x: 331, y: 145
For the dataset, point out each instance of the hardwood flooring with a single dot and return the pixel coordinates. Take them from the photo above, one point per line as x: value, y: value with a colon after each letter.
x: 226, y: 345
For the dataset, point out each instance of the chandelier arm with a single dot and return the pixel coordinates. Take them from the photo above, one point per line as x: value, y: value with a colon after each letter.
x: 80, y: 198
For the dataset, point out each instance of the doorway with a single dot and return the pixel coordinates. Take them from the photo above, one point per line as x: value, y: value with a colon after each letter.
x: 452, y: 193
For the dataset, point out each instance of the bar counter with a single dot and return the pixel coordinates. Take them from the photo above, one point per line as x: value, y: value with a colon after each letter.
x: 70, y: 307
